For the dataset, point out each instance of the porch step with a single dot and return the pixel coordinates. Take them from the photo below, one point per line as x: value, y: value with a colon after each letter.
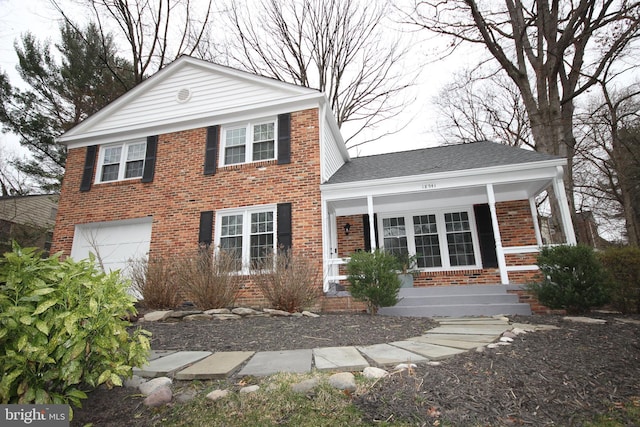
x: 455, y: 301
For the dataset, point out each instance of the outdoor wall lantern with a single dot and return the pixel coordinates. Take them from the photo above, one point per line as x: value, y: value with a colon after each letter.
x: 347, y: 228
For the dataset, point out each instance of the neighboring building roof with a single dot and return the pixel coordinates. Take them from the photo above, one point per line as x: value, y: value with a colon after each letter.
x: 36, y: 211
x: 424, y: 161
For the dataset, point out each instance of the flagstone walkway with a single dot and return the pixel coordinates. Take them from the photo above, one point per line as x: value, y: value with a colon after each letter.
x: 452, y: 336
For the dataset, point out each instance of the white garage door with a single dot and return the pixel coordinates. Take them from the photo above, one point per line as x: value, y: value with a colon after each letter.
x: 116, y: 242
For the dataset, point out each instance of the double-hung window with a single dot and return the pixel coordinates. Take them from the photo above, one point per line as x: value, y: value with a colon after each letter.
x: 121, y: 161
x: 438, y: 240
x: 248, y: 235
x: 249, y: 142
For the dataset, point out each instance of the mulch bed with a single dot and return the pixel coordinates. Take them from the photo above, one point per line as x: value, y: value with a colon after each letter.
x: 558, y: 377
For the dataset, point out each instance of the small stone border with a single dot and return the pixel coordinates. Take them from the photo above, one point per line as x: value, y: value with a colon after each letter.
x: 218, y: 314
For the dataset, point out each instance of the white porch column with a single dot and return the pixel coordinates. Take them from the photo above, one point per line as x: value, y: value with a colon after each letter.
x: 534, y: 216
x: 565, y: 214
x: 502, y: 262
x: 326, y: 245
x: 372, y: 225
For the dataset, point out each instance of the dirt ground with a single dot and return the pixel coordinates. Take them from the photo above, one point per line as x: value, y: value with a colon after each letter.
x: 557, y: 377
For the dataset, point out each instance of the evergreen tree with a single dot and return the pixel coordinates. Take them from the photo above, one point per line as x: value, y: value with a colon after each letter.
x: 64, y: 87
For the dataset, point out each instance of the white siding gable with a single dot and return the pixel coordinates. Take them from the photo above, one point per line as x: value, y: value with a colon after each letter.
x: 210, y: 90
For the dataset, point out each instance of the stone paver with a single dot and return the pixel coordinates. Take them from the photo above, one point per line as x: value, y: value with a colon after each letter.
x: 156, y: 354
x: 169, y: 364
x: 385, y: 354
x: 217, y: 366
x: 339, y: 359
x: 270, y: 362
x: 474, y: 329
x: 481, y: 339
x: 431, y: 351
x: 464, y: 345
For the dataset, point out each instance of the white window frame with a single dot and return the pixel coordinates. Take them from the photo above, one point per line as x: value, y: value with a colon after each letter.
x: 246, y: 230
x: 248, y: 154
x: 442, y: 235
x: 123, y: 160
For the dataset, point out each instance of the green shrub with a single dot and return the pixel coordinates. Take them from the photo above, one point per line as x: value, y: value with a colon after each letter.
x: 62, y: 330
x: 154, y: 281
x: 209, y: 281
x: 289, y: 281
x: 623, y: 264
x: 573, y: 279
x: 374, y: 279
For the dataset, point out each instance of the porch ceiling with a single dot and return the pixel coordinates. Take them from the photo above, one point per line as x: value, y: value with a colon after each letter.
x: 433, y: 198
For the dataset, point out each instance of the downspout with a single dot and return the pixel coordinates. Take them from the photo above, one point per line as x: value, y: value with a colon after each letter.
x: 534, y: 216
x: 502, y: 262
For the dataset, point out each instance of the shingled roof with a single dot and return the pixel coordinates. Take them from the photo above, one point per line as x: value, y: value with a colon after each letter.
x: 449, y: 158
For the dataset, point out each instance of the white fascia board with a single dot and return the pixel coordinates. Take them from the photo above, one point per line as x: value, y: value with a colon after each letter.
x: 513, y: 173
x: 193, y: 122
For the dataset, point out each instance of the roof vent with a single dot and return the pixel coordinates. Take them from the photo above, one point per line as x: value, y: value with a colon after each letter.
x: 183, y: 95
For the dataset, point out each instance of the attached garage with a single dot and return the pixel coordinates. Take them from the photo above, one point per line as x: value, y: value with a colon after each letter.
x: 115, y: 243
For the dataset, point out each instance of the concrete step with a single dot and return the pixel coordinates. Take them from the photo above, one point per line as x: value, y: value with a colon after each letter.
x: 456, y: 301
x: 453, y: 290
x: 457, y: 310
x: 412, y: 301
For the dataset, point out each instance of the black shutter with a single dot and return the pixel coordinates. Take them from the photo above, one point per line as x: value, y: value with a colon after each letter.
x: 211, y: 153
x: 485, y: 233
x: 367, y: 231
x: 284, y: 226
x: 284, y: 139
x: 150, y: 159
x: 89, y: 163
x: 205, y: 236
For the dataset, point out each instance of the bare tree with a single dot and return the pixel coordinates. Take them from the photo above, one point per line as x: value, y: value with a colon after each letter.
x: 608, y: 157
x: 154, y: 32
x: 341, y: 47
x: 552, y: 51
x: 478, y: 108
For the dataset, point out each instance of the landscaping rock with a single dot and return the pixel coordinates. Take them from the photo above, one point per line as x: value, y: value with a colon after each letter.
x: 150, y: 386
x: 185, y: 396
x: 343, y: 381
x: 506, y: 339
x: 179, y: 314
x: 373, y: 372
x: 161, y: 396
x: 310, y: 314
x: 589, y: 320
x: 156, y: 316
x: 509, y: 334
x: 218, y: 311
x: 225, y: 316
x: 305, y: 386
x: 200, y: 316
x: 249, y: 389
x: 134, y: 381
x: 217, y: 394
x: 242, y: 311
x: 272, y: 312
x: 404, y: 366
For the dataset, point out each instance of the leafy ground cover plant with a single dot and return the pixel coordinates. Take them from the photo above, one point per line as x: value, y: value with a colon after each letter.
x: 62, y: 329
x: 374, y: 279
x: 572, y: 279
x: 623, y: 264
x: 289, y: 281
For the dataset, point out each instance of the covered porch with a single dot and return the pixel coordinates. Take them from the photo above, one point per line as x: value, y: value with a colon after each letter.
x: 463, y: 225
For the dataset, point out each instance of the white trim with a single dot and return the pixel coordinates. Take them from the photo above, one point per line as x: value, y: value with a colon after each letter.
x: 442, y: 235
x: 248, y: 143
x: 246, y: 229
x: 534, y: 217
x: 522, y: 268
x: 529, y: 249
x: 123, y: 160
x: 563, y: 204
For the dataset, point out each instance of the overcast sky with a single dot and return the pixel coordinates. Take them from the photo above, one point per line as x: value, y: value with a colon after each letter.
x: 39, y: 17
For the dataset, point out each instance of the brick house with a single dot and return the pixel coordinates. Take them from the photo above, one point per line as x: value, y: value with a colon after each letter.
x: 204, y: 154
